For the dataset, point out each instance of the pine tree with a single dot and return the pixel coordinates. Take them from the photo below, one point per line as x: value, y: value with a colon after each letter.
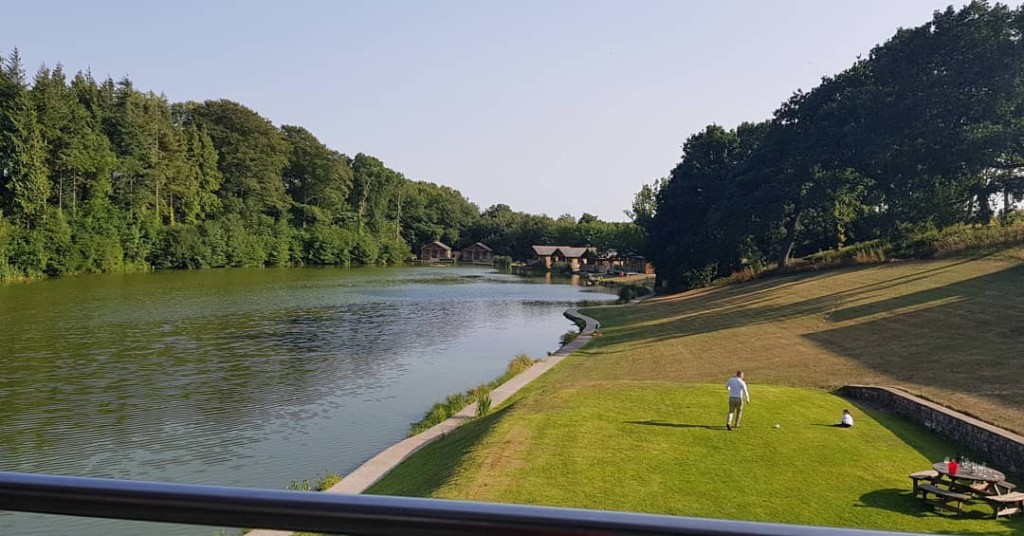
x: 22, y: 151
x: 52, y: 102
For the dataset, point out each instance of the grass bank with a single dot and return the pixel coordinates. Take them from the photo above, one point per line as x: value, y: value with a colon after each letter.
x: 454, y: 403
x: 956, y: 240
x: 631, y: 422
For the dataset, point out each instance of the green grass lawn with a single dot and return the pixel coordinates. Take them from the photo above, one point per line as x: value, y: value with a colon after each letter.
x: 662, y: 448
x: 635, y: 421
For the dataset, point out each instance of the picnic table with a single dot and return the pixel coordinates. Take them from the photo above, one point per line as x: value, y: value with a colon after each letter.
x: 951, y: 491
x: 975, y: 474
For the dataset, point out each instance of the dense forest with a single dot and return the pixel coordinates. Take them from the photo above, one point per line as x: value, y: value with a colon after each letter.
x: 98, y: 176
x: 924, y: 133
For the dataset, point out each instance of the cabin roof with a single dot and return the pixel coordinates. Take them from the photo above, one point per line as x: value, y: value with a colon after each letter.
x: 570, y: 252
x: 574, y: 252
x: 479, y: 245
x: 437, y: 244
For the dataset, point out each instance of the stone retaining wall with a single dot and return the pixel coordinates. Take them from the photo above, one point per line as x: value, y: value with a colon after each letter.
x: 1001, y: 449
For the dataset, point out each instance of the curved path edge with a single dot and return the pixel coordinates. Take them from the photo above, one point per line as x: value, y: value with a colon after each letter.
x: 380, y: 465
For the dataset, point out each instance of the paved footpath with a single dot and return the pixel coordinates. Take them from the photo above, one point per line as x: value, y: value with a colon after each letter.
x: 373, y: 470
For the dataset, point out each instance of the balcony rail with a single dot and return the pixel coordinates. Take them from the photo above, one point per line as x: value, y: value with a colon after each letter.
x: 349, y: 514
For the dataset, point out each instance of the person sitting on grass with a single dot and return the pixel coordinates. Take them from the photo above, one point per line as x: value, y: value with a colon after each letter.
x: 847, y: 419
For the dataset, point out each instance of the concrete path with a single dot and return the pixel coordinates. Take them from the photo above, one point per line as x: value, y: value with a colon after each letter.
x: 373, y: 470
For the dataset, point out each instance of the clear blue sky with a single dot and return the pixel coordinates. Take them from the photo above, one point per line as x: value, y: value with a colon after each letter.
x: 548, y: 106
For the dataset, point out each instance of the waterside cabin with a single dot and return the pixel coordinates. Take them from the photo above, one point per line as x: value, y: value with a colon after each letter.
x: 439, y: 252
x: 477, y: 253
x: 614, y: 261
x: 436, y: 252
x: 576, y: 258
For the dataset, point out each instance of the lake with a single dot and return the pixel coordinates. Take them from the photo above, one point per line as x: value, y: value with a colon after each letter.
x: 247, y: 377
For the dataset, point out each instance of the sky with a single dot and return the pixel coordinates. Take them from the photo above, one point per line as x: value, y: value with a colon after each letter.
x: 551, y: 107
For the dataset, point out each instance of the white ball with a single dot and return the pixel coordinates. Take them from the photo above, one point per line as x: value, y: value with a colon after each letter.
x: 777, y: 426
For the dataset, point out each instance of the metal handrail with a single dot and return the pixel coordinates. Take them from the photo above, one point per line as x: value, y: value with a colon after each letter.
x: 349, y: 514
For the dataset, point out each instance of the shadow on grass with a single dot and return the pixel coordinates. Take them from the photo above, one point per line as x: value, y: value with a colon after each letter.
x: 923, y: 440
x: 968, y: 325
x: 675, y: 425
x: 927, y: 442
x: 895, y: 500
x: 903, y: 502
x: 718, y: 309
x: 431, y: 467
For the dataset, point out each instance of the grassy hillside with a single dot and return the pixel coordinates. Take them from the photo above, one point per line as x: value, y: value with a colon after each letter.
x: 635, y: 421
x: 949, y: 330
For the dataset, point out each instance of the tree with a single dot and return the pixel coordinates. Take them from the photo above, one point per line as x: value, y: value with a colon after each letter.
x: 252, y: 155
x: 87, y: 159
x: 52, y: 103
x: 133, y: 127
x: 433, y: 212
x: 202, y: 179
x: 945, y: 107
x: 26, y: 185
x: 375, y: 194
x: 681, y: 240
x: 317, y: 178
x: 645, y: 203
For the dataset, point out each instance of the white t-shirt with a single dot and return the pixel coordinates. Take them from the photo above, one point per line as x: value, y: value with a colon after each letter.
x: 848, y: 419
x: 737, y: 388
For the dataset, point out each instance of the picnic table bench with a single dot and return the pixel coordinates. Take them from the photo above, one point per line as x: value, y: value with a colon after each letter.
x: 1006, y: 504
x: 927, y: 477
x: 944, y: 498
x: 1004, y: 486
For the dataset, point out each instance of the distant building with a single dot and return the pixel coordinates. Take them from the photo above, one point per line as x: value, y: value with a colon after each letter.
x: 608, y: 262
x: 542, y: 254
x: 477, y: 253
x: 436, y: 252
x: 645, y: 267
x: 612, y: 261
x: 577, y: 258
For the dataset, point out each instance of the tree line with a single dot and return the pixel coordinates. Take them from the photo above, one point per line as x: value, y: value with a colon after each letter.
x: 98, y: 176
x: 925, y: 132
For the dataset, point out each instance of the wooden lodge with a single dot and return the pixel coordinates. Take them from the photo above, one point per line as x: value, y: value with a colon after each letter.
x: 439, y: 252
x: 436, y: 252
x: 576, y: 258
x: 612, y: 261
x: 477, y: 253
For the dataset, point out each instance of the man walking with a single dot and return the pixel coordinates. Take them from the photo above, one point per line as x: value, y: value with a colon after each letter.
x: 737, y: 392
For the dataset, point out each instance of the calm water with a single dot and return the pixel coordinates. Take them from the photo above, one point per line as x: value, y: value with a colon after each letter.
x: 246, y: 377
